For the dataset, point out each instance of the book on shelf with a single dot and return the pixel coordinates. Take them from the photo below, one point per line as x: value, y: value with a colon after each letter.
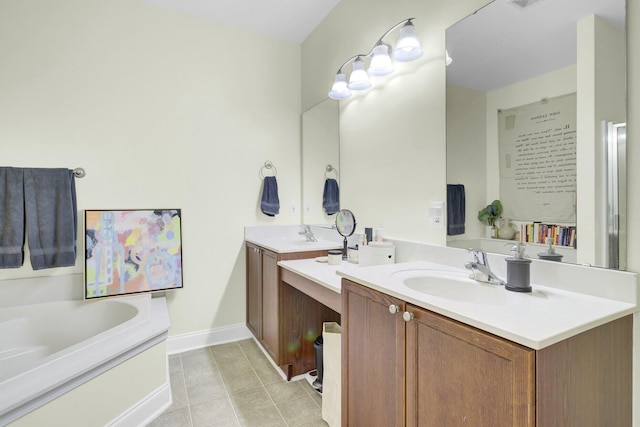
x: 537, y: 232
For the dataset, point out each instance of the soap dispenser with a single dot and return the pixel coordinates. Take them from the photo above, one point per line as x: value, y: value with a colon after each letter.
x: 550, y: 254
x: 518, y: 270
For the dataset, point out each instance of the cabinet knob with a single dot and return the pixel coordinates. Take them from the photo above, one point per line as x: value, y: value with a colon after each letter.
x: 394, y: 309
x: 407, y: 316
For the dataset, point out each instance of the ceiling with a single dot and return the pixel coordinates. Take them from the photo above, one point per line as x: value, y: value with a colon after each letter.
x: 503, y: 44
x: 290, y: 20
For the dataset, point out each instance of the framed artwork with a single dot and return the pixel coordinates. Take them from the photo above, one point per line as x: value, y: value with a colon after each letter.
x: 132, y: 251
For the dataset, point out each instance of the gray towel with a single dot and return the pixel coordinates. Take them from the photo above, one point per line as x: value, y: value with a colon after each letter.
x: 11, y: 218
x: 270, y: 203
x: 455, y: 209
x: 331, y: 196
x: 52, y: 219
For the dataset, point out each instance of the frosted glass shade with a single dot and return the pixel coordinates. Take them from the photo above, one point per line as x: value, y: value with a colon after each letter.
x: 381, y: 64
x: 339, y: 90
x: 359, y: 80
x: 408, y: 46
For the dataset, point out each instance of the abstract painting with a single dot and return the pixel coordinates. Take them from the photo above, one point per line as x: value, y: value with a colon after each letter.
x: 132, y: 251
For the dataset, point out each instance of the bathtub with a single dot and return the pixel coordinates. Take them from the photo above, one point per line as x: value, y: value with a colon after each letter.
x: 48, y: 349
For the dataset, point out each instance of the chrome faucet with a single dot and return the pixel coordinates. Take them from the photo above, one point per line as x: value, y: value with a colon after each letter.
x: 306, y: 232
x: 480, y: 270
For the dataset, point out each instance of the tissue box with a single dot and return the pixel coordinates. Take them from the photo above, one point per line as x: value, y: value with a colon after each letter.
x: 376, y: 254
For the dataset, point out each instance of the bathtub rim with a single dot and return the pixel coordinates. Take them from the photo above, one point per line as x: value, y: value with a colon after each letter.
x: 151, y: 331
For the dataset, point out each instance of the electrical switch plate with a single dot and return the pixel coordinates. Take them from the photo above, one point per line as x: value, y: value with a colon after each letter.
x: 307, y: 209
x: 293, y: 210
x: 436, y: 214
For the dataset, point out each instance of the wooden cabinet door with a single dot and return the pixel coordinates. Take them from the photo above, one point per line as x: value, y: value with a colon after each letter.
x: 373, y: 345
x: 458, y: 375
x: 270, y: 300
x: 254, y: 290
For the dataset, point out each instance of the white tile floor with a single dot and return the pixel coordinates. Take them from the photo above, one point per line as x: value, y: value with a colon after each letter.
x: 235, y: 385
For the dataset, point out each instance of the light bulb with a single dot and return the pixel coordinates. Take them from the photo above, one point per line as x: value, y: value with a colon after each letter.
x: 359, y: 80
x: 408, y: 46
x: 339, y: 90
x: 380, y: 61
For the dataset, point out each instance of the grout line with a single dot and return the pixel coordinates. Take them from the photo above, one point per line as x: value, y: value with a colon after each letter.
x: 186, y: 392
x: 224, y: 384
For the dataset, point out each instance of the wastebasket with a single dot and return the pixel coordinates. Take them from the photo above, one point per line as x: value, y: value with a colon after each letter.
x: 317, y: 345
x: 331, y: 409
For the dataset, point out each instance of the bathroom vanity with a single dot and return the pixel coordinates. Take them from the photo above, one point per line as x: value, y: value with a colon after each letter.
x: 406, y: 364
x: 284, y: 319
x: 425, y: 345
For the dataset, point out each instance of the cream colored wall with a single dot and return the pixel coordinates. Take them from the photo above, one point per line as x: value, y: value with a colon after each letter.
x: 352, y: 27
x: 392, y: 139
x: 163, y: 111
x: 633, y: 176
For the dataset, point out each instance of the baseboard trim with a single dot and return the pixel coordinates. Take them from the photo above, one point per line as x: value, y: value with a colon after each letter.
x: 148, y: 409
x: 194, y: 340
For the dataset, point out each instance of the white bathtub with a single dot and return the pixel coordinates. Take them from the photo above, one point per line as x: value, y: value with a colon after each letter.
x: 50, y: 348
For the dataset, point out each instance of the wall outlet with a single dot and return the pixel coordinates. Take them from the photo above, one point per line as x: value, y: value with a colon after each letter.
x: 436, y: 214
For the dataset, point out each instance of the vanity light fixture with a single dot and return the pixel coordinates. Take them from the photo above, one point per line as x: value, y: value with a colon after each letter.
x: 380, y: 63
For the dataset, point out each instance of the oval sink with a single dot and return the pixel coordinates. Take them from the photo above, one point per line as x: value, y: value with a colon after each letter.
x: 455, y: 286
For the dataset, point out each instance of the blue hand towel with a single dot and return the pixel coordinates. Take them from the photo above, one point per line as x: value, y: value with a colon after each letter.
x: 11, y: 218
x: 331, y: 196
x: 270, y: 203
x: 455, y: 209
x: 52, y: 219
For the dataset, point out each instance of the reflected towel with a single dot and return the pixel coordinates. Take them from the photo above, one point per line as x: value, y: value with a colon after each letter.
x: 11, y: 218
x: 331, y: 196
x: 270, y: 203
x: 52, y: 220
x: 455, y: 209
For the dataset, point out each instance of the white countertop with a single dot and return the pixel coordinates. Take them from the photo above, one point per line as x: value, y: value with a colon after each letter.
x: 283, y: 245
x: 320, y: 272
x: 536, y: 320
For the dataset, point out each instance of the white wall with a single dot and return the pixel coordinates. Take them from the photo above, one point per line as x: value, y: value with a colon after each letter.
x: 162, y: 110
x: 392, y: 139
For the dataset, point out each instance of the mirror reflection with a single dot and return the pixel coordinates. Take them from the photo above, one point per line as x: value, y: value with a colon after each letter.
x: 320, y: 163
x: 534, y: 89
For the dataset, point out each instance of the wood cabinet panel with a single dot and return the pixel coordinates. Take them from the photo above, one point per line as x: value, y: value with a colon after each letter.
x: 270, y: 305
x: 586, y: 381
x: 453, y: 374
x: 372, y: 358
x: 458, y: 375
x: 254, y: 290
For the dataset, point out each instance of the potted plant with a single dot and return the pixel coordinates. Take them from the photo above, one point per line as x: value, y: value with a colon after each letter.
x: 489, y: 215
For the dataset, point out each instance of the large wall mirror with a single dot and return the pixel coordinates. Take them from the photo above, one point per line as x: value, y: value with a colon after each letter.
x: 525, y: 54
x: 320, y: 158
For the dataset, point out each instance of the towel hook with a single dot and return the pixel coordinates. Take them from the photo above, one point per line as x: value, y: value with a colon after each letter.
x: 268, y: 165
x: 79, y: 173
x: 330, y: 169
